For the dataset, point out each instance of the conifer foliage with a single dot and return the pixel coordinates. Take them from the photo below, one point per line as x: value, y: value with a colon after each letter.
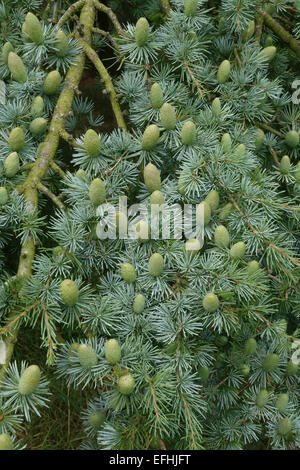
x: 179, y: 346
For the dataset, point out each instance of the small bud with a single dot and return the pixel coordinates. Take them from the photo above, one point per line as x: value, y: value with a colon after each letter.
x: 17, y: 68
x: 168, y: 116
x: 285, y: 165
x: 37, y: 106
x: 213, y: 199
x: 156, y: 265
x: 152, y: 177
x: 126, y: 384
x: 11, y: 165
x: 112, y: 351
x: 190, y: 7
x: 34, y: 28
x: 150, y: 137
x: 268, y: 52
x: 62, y: 44
x: 250, y: 346
x: 87, y: 356
x: 97, y: 192
x: 69, y: 292
x: 188, y: 133
x: 238, y: 250
x: 17, y: 139
x: 262, y: 398
x: 52, y: 83
x: 141, y: 32
x: 216, y: 107
x: 139, y: 303
x: 38, y: 126
x: 128, y: 272
x: 211, y: 302
x: 221, y: 237
x: 226, y: 142
x: 156, y: 96
x: 29, y: 380
x: 292, y: 139
x: 223, y: 71
x: 92, y: 143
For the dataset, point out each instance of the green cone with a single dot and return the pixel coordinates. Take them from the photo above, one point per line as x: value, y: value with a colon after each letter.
x: 168, y: 116
x: 190, y: 7
x: 3, y: 196
x: 284, y: 426
x: 128, y: 272
x: 221, y: 237
x: 92, y: 143
x: 38, y: 126
x: 5, y: 442
x: 203, y: 373
x: 141, y: 32
x: 226, y: 211
x: 213, y: 199
x: 237, y: 250
x: 271, y: 362
x: 52, y: 83
x: 112, y: 351
x: 152, y: 177
x: 11, y: 165
x: 223, y: 72
x: 250, y: 346
x: 262, y: 398
x: 62, y: 44
x: 126, y: 384
x: 211, y: 302
x: 87, y: 356
x: 157, y: 198
x: 292, y: 139
x: 29, y: 380
x: 285, y: 165
x: 69, y: 292
x: 97, y: 192
x: 226, y: 142
x: 282, y: 402
x: 188, y: 133
x: 216, y: 107
x: 96, y: 419
x: 156, y: 265
x: 17, y: 139
x: 6, y: 49
x: 259, y: 139
x: 252, y: 267
x: 34, y: 29
x: 17, y: 68
x: 37, y: 106
x: 156, y: 96
x: 150, y: 137
x: 139, y: 303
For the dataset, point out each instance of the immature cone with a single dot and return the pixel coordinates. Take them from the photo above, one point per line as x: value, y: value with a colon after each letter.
x: 192, y: 245
x: 285, y: 165
x: 29, y: 380
x: 97, y: 192
x: 61, y: 44
x: 213, y: 199
x: 282, y: 402
x: 292, y: 139
x: 34, y: 28
x: 268, y: 41
x: 3, y: 196
x: 168, y: 116
x: 11, y: 165
x: 69, y: 292
x: 150, y: 137
x: 248, y: 31
x: 252, y: 267
x: 73, y: 350
x: 126, y: 384
x: 203, y: 373
x: 156, y: 96
x: 297, y: 173
x: 211, y: 302
x: 128, y: 272
x: 284, y: 426
x: 190, y: 7
x: 291, y: 368
x: 268, y: 52
x: 142, y: 231
x: 121, y: 223
x: 262, y: 398
x: 81, y: 174
x: 152, y: 177
x: 221, y: 237
x: 156, y: 265
x: 17, y: 139
x: 5, y: 442
x: 92, y: 143
x: 141, y: 32
x: 226, y: 142
x: 216, y: 107
x: 250, y: 346
x: 17, y: 68
x: 223, y: 71
x: 6, y: 49
x: 139, y: 303
x: 271, y: 362
x: 37, y: 106
x: 112, y: 351
x: 38, y: 126
x: 52, y: 83
x: 206, y: 211
x: 244, y: 370
x: 226, y: 211
x: 87, y: 356
x: 259, y: 139
x: 188, y: 133
x: 157, y: 198
x: 96, y: 419
x: 237, y: 250
x: 240, y: 150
